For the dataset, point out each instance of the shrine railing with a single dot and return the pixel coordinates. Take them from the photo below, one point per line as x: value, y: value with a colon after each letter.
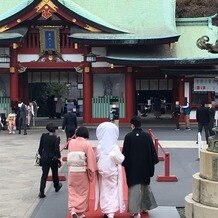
x: 5, y: 105
x: 101, y: 107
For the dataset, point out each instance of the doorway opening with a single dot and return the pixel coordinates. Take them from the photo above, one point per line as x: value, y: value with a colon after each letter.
x: 145, y: 102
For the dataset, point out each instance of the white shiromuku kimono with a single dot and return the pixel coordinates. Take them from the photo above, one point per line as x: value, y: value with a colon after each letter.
x: 109, y: 186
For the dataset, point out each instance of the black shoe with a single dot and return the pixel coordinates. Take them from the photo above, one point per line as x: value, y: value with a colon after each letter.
x: 58, y: 188
x: 19, y: 132
x: 41, y: 195
x: 25, y: 133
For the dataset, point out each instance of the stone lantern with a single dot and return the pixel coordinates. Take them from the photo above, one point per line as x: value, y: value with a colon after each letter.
x: 203, y: 202
x: 213, y: 142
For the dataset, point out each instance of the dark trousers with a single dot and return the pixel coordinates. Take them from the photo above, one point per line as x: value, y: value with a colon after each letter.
x: 206, y: 129
x: 177, y: 121
x: 22, y: 123
x: 45, y: 171
x: 69, y: 134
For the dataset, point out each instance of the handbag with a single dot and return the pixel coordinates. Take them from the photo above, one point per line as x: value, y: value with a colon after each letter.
x: 37, y: 159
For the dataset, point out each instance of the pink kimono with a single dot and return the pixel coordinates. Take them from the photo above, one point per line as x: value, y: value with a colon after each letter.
x: 81, y: 170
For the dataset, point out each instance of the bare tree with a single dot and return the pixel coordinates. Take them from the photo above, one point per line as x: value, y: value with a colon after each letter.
x: 196, y: 8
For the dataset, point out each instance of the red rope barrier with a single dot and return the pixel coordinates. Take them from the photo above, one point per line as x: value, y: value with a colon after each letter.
x: 156, y: 144
x: 166, y: 177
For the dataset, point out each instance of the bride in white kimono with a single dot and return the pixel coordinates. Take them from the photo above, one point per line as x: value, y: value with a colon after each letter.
x: 109, y: 187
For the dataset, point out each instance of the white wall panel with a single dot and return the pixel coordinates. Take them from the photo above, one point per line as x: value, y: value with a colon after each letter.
x: 27, y: 57
x: 101, y: 64
x: 73, y: 57
x: 186, y: 90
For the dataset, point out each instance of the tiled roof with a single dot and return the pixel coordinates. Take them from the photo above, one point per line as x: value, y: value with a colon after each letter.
x: 142, y: 20
x: 124, y: 15
x: 136, y: 16
x: 13, y: 35
x: 152, y: 54
x: 165, y: 36
x: 83, y: 12
x: 9, y: 8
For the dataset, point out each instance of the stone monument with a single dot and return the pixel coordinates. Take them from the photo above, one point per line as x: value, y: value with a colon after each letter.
x: 203, y: 202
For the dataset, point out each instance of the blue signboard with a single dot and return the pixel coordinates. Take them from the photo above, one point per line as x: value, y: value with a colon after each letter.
x: 49, y: 40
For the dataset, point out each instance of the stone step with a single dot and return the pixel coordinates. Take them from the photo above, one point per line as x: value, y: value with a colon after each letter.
x: 194, y: 209
x: 209, y: 165
x: 205, y: 191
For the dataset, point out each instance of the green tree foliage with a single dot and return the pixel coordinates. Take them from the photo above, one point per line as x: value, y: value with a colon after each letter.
x: 57, y: 89
x: 41, y: 91
x: 196, y: 8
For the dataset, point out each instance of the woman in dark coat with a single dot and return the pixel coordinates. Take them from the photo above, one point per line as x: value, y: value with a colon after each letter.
x: 49, y: 151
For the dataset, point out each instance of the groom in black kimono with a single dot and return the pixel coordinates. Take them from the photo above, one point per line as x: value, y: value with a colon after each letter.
x: 140, y: 158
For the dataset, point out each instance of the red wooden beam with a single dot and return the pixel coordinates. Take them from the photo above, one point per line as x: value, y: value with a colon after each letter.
x: 51, y: 65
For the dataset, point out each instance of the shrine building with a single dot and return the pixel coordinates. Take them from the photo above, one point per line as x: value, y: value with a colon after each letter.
x: 122, y: 53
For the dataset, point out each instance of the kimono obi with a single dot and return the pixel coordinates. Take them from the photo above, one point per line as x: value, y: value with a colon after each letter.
x: 77, y: 161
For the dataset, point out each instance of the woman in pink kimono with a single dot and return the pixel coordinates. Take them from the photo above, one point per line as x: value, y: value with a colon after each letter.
x: 81, y: 163
x: 109, y: 188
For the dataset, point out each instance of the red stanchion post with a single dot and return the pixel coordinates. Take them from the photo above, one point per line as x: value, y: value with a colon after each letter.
x: 156, y: 145
x: 167, y: 177
x: 167, y: 165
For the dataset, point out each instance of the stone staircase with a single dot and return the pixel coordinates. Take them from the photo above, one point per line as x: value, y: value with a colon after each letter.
x: 42, y: 121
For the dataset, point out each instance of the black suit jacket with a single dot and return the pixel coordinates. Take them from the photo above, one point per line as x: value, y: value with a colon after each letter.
x: 140, y: 157
x: 69, y: 122
x: 49, y: 147
x: 203, y: 115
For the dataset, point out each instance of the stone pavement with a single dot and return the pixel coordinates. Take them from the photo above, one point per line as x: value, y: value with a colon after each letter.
x: 19, y: 178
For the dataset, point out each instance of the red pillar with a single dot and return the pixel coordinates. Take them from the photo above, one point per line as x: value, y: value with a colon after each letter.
x: 181, y: 92
x: 87, y: 96
x: 130, y: 95
x: 14, y: 81
x: 23, y: 87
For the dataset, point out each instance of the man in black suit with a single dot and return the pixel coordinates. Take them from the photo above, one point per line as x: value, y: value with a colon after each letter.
x: 203, y: 119
x: 22, y: 111
x: 49, y: 151
x: 69, y: 123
